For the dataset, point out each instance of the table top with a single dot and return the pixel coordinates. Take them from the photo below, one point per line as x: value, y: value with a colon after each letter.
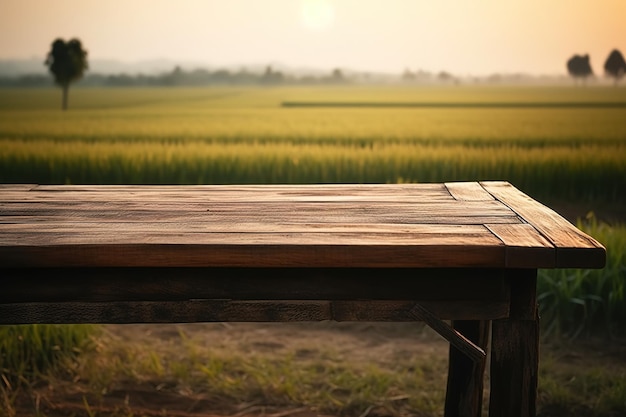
x: 463, y: 224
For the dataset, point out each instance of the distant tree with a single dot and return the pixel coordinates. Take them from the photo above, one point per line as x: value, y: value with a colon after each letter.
x: 337, y: 76
x: 579, y: 67
x: 173, y: 78
x: 67, y: 61
x: 615, y: 66
x: 272, y: 77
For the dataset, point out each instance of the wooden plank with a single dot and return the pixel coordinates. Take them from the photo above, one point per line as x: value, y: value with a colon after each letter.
x: 468, y: 191
x: 85, y: 227
x: 196, y: 197
x: 338, y: 218
x: 281, y: 235
x: 514, y: 368
x: 253, y: 188
x: 252, y: 193
x: 574, y: 249
x: 464, y: 391
x: 456, y: 339
x: 6, y: 189
x: 233, y: 311
x: 523, y: 284
x: 140, y: 205
x: 515, y: 350
x: 404, y: 311
x: 171, y: 284
x: 525, y: 247
x: 304, y: 217
x: 407, y: 255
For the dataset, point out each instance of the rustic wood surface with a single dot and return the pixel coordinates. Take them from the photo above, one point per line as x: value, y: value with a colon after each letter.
x: 462, y: 251
x: 514, y: 365
x: 489, y: 224
x: 464, y: 390
x: 179, y: 284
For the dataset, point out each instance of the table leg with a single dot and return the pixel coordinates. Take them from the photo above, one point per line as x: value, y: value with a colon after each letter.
x: 464, y: 393
x: 515, y: 352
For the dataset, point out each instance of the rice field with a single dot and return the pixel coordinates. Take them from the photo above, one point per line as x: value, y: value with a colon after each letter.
x: 530, y: 137
x: 245, y: 135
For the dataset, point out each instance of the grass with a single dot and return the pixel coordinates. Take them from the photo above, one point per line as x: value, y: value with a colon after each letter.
x: 29, y: 353
x: 31, y: 350
x: 584, y: 379
x: 231, y: 372
x: 583, y: 301
x: 235, y: 135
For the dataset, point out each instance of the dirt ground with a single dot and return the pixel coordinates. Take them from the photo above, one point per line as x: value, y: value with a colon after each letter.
x: 382, y: 344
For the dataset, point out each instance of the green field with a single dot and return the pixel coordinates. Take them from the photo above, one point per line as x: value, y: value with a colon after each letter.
x: 558, y: 144
x: 245, y: 135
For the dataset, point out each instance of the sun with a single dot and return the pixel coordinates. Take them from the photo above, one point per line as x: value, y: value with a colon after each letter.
x: 317, y: 15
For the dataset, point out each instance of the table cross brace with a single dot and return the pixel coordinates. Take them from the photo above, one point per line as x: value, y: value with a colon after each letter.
x: 463, y: 344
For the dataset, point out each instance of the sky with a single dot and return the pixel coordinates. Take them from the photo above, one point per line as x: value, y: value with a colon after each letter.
x: 464, y: 37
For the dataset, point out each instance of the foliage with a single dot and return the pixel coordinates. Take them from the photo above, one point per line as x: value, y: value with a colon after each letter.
x: 31, y: 350
x: 67, y: 61
x: 579, y: 66
x: 615, y: 65
x: 575, y: 301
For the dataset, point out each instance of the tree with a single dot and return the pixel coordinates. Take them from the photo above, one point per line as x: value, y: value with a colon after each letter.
x: 67, y: 61
x: 272, y: 77
x: 615, y: 66
x: 337, y: 76
x: 579, y: 67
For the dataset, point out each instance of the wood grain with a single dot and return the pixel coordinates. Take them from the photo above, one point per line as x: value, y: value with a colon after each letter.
x: 524, y: 246
x: 463, y: 251
x: 200, y: 310
x: 403, y: 225
x: 464, y: 390
x: 456, y: 339
x: 574, y: 249
x: 468, y: 191
x: 514, y: 368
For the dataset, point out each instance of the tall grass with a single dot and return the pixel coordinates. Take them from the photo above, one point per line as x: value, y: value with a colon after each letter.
x: 575, y: 301
x: 242, y: 135
x: 559, y: 171
x: 27, y: 351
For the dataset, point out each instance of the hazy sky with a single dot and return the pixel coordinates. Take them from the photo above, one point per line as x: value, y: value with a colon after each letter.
x: 464, y: 37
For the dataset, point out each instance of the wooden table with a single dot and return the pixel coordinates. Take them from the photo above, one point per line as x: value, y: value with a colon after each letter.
x: 467, y: 252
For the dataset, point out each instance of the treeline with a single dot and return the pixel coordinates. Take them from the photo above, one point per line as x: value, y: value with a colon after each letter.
x: 180, y: 77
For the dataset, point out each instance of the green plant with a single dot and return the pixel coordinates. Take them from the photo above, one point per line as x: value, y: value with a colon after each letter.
x: 28, y: 351
x: 592, y: 301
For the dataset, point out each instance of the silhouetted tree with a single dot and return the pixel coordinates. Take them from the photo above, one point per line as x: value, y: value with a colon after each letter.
x: 615, y: 66
x: 272, y: 77
x: 67, y: 61
x: 579, y: 67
